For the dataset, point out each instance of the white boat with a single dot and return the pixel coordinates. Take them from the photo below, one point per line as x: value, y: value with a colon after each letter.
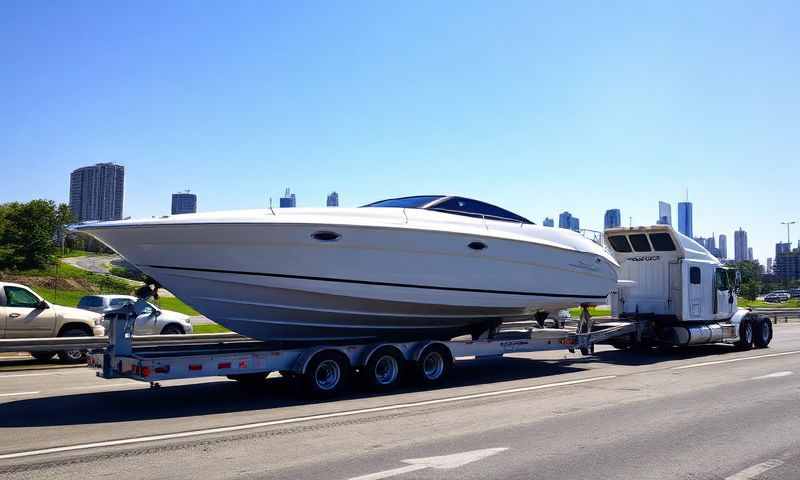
x: 414, y: 267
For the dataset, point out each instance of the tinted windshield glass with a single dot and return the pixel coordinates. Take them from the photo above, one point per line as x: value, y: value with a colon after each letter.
x: 90, y: 301
x: 662, y: 242
x: 640, y: 243
x: 620, y: 243
x: 474, y: 208
x: 120, y: 301
x: 406, y: 202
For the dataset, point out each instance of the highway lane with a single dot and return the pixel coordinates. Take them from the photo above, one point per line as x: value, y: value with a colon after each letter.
x: 621, y: 414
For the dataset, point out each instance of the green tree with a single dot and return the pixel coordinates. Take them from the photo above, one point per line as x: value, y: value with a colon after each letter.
x: 28, y: 232
x: 751, y: 279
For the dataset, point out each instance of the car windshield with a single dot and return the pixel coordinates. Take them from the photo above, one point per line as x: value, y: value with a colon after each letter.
x: 454, y: 205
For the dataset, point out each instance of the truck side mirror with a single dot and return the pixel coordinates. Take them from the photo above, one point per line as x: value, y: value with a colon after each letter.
x: 42, y: 305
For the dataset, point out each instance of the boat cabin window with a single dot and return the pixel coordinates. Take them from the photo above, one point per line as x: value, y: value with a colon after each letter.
x: 640, y: 243
x: 406, y: 202
x: 474, y: 208
x: 662, y: 242
x: 620, y: 243
x: 694, y: 275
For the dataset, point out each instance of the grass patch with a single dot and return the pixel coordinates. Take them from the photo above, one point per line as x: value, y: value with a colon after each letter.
x: 793, y: 303
x: 209, y: 329
x: 68, y: 298
x: 176, y: 305
x: 593, y: 311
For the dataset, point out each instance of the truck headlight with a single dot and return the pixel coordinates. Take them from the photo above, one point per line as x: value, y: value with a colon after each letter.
x: 98, y: 322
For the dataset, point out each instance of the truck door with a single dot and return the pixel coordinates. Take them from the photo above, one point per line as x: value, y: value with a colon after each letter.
x: 2, y: 314
x: 695, y: 297
x: 24, y: 318
x: 723, y: 307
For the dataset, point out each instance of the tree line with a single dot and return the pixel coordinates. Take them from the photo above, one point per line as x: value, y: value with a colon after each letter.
x: 30, y: 233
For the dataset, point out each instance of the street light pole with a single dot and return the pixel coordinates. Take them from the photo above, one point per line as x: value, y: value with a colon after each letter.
x: 788, y: 236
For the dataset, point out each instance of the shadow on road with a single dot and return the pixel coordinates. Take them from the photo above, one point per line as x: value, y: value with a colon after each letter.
x: 215, y: 397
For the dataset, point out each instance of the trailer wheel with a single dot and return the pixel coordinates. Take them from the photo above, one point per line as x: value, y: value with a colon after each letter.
x: 745, y: 335
x: 327, y: 374
x: 763, y: 333
x: 434, y: 364
x: 383, y: 371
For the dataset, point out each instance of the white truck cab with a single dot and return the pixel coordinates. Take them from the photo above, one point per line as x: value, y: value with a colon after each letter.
x: 670, y: 276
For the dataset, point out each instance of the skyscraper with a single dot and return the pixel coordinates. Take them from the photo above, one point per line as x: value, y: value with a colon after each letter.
x: 184, y: 202
x: 740, y: 251
x: 685, y: 218
x: 664, y: 213
x: 548, y: 222
x: 96, y: 192
x: 564, y: 220
x: 575, y: 224
x: 723, y: 246
x: 750, y: 253
x: 333, y: 200
x: 769, y: 265
x: 288, y: 200
x: 613, y: 218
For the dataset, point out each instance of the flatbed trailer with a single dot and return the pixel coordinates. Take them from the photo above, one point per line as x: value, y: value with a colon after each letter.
x: 325, y: 368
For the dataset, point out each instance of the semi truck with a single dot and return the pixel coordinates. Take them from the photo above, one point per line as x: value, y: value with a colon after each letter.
x: 673, y: 293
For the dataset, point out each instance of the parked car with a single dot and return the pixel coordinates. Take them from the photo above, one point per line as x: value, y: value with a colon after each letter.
x: 24, y: 314
x: 794, y: 293
x: 152, y: 321
x: 777, y: 297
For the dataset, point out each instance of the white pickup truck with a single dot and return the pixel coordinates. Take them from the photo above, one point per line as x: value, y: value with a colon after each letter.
x: 24, y: 314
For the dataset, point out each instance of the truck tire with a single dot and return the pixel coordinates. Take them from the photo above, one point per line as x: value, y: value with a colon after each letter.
x: 327, y: 374
x: 763, y: 333
x: 172, y: 329
x: 434, y: 364
x: 73, y: 356
x: 384, y: 369
x: 745, y: 341
x: 43, y: 356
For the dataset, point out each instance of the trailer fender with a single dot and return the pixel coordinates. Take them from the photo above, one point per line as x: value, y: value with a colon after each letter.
x: 404, y: 352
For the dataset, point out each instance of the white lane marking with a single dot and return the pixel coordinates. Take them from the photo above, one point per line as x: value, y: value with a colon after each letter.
x: 106, y: 387
x: 740, y: 359
x: 444, y: 462
x: 323, y: 416
x: 756, y: 470
x: 17, y: 393
x: 784, y: 373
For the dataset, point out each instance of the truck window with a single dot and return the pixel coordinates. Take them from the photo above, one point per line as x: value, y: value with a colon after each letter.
x: 19, y: 297
x: 620, y: 243
x: 640, y: 243
x: 694, y: 275
x: 722, y: 280
x: 662, y: 242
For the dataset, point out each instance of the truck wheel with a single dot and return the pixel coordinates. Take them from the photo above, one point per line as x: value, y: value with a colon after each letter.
x: 42, y: 356
x: 434, y: 364
x: 73, y: 356
x: 763, y: 333
x: 384, y: 369
x: 745, y: 335
x: 172, y: 329
x: 327, y: 374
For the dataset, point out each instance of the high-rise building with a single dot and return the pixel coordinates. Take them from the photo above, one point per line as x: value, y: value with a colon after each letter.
x: 184, y: 202
x: 769, y: 265
x: 575, y: 224
x: 787, y: 262
x: 96, y: 192
x: 685, y: 218
x: 288, y: 200
x: 740, y: 252
x: 613, y: 218
x: 664, y: 213
x: 782, y: 248
x: 750, y: 254
x: 564, y: 220
x: 723, y: 246
x: 333, y: 200
x: 548, y: 222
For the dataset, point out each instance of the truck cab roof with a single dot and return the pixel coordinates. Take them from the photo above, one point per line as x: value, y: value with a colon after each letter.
x: 626, y: 242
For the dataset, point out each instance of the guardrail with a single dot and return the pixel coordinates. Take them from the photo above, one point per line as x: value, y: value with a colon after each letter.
x: 88, y: 343
x: 778, y: 314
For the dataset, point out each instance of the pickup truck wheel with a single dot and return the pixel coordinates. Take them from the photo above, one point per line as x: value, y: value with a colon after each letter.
x: 763, y: 333
x: 43, y: 356
x: 73, y: 356
x: 745, y: 335
x: 172, y: 329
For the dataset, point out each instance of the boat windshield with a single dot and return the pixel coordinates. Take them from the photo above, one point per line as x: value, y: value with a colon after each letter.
x: 406, y: 202
x: 454, y: 205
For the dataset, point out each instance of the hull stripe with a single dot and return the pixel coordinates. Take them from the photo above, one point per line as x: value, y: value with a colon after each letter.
x: 381, y: 284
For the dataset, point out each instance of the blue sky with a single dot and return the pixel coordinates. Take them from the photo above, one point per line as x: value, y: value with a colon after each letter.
x: 538, y: 107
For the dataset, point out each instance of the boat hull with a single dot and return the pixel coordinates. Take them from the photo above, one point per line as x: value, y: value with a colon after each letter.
x: 276, y: 282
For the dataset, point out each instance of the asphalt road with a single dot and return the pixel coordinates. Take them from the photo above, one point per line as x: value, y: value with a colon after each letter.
x: 701, y: 413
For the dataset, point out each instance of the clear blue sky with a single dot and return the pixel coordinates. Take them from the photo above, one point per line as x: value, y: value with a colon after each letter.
x: 538, y: 107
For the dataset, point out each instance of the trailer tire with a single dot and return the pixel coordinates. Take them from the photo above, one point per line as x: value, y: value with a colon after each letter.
x: 384, y: 369
x: 763, y: 333
x: 327, y: 374
x: 433, y: 364
x: 745, y: 341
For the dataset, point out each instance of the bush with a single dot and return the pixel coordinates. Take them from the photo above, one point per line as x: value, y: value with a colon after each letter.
x: 28, y: 232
